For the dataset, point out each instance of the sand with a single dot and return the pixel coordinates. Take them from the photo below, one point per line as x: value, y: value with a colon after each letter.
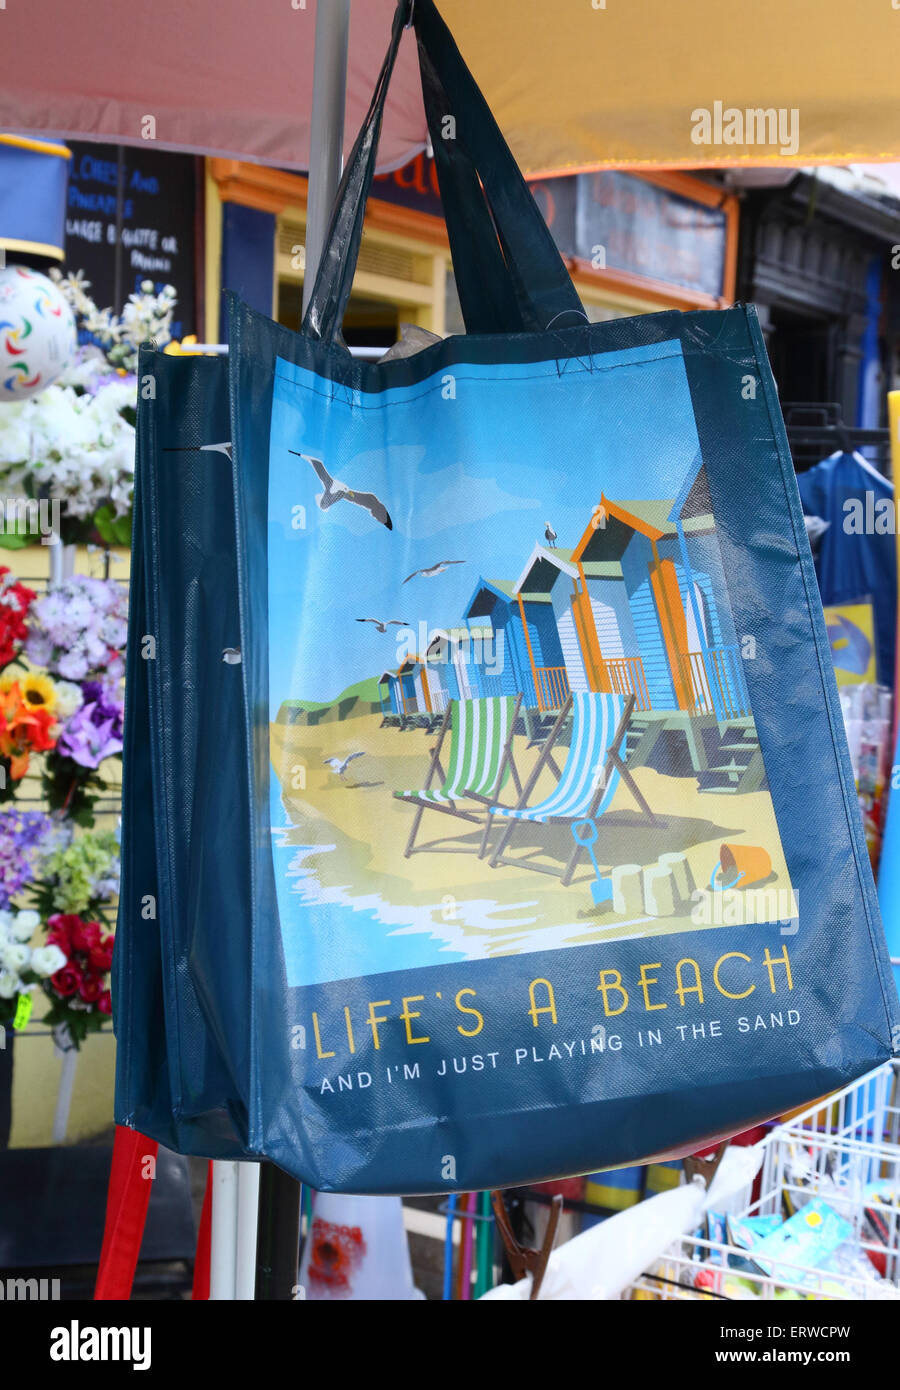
x: 357, y: 830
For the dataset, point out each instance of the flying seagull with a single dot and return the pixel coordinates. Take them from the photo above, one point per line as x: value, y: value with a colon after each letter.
x: 431, y: 570
x: 338, y: 492
x: 550, y: 536
x: 340, y: 765
x: 383, y: 626
x: 203, y: 449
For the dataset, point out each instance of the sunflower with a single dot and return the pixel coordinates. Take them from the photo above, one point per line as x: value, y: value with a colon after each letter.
x: 38, y: 692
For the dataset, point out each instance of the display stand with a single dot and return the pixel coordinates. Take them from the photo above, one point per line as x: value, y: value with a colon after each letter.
x: 815, y: 429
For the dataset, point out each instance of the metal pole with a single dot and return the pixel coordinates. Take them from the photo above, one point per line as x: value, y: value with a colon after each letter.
x: 247, y: 1222
x: 278, y: 1239
x: 223, y: 1240
x: 278, y: 1235
x: 326, y: 130
x: 69, y: 1058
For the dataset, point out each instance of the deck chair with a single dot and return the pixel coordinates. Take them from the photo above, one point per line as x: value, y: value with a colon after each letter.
x: 480, y: 761
x: 585, y: 786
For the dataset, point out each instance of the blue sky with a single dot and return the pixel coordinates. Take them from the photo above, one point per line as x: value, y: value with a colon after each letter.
x: 475, y: 478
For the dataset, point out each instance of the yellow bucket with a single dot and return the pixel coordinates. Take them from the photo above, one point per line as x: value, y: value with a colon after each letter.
x: 742, y: 866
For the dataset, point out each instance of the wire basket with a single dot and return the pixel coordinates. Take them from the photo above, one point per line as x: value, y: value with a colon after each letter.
x: 844, y: 1150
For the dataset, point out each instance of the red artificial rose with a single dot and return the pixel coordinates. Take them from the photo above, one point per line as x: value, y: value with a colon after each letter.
x: 100, y: 958
x: 61, y: 926
x: 90, y: 989
x: 17, y: 600
x: 86, y: 935
x: 66, y: 981
x: 104, y: 1003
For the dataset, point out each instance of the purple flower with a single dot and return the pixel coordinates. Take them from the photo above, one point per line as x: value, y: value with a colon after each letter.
x: 95, y: 731
x: 108, y: 701
x: 23, y: 834
x: 79, y: 627
x: 72, y: 666
x: 111, y: 379
x: 39, y: 649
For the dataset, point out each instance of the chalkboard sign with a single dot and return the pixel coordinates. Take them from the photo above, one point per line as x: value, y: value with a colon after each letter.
x: 158, y: 196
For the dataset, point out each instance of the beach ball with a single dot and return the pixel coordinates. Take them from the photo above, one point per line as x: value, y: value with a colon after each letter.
x: 37, y: 332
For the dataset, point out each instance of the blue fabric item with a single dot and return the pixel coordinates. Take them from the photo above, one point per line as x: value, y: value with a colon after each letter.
x: 595, y: 719
x: 857, y: 555
x: 889, y: 871
x: 32, y: 197
x: 248, y: 256
x: 302, y: 971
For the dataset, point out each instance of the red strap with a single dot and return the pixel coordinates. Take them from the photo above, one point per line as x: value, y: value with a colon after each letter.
x: 204, y: 1242
x: 130, y: 1181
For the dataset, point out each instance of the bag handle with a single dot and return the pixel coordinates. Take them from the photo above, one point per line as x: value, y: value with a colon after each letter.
x: 510, y: 275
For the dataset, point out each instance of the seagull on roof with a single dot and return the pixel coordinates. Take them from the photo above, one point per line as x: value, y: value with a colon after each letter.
x: 550, y: 536
x: 382, y: 626
x: 429, y: 571
x: 339, y: 492
x: 340, y: 765
x: 203, y: 449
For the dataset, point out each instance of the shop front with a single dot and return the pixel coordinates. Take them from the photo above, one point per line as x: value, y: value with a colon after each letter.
x: 633, y: 244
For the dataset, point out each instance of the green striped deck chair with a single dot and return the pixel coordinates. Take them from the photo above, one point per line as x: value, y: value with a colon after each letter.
x: 480, y: 762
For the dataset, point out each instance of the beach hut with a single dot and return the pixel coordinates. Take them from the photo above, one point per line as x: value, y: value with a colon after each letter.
x: 414, y: 679
x: 389, y: 693
x: 545, y: 594
x: 408, y: 689
x: 495, y: 647
x: 717, y: 667
x: 652, y: 612
x: 443, y: 657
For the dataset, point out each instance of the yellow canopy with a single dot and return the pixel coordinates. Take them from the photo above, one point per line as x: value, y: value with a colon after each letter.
x: 583, y: 84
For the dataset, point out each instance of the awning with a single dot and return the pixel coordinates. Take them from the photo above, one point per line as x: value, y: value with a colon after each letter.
x: 575, y: 85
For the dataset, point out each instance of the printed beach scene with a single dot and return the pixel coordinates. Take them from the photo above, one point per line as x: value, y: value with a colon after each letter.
x: 508, y: 703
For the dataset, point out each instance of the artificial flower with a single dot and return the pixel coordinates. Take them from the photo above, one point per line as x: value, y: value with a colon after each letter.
x: 38, y: 692
x: 69, y: 698
x: 77, y: 630
x: 15, y: 601
x: 23, y: 731
x: 15, y: 956
x: 24, y: 837
x: 47, y: 960
x: 77, y: 987
x: 85, y: 935
x: 23, y: 924
x: 94, y: 732
x: 60, y: 928
x: 65, y: 981
x: 82, y: 875
x: 100, y: 958
x: 90, y: 989
x: 78, y: 449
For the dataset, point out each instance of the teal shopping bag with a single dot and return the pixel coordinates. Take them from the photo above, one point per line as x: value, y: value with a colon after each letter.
x: 184, y: 790
x: 539, y: 850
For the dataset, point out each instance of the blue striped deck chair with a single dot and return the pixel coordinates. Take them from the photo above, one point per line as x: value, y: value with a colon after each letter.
x: 586, y: 784
x: 480, y: 762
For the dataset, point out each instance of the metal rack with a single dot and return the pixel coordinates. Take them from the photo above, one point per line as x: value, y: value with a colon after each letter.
x: 834, y: 1150
x: 816, y: 429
